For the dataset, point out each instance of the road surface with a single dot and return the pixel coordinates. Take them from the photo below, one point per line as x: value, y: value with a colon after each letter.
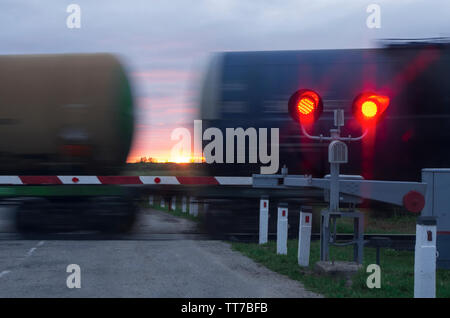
x: 172, y: 261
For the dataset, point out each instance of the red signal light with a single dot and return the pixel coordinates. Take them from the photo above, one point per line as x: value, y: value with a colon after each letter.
x: 307, y: 103
x: 305, y: 106
x: 368, y: 108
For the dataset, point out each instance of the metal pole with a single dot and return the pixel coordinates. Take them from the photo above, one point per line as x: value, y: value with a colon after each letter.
x: 334, y: 187
x: 378, y: 255
x: 324, y: 235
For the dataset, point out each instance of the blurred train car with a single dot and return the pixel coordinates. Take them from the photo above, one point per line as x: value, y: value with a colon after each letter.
x: 67, y: 114
x: 252, y: 89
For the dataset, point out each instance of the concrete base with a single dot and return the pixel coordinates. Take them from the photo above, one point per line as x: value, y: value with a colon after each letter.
x: 339, y: 268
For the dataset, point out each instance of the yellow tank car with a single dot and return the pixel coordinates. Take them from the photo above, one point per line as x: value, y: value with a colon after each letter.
x: 65, y: 113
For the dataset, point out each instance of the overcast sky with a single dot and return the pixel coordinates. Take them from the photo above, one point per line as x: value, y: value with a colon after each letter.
x: 164, y: 44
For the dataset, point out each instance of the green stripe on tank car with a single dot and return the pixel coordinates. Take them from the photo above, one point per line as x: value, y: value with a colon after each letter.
x: 126, y: 114
x: 62, y: 190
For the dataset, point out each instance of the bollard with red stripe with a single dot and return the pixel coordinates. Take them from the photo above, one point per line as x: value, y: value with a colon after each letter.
x: 184, y: 204
x: 150, y: 200
x: 193, y: 206
x: 263, y: 220
x: 425, y: 258
x: 282, y: 228
x: 173, y: 203
x: 304, y: 236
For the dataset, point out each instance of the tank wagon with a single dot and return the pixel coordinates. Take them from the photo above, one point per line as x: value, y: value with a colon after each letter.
x: 67, y: 114
x: 252, y: 89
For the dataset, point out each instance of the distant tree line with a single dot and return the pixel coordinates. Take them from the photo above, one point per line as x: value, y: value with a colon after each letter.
x: 147, y: 160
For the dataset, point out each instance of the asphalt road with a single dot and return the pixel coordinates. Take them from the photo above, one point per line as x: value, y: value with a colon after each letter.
x: 176, y: 263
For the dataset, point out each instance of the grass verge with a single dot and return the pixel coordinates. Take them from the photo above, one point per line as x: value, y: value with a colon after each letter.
x: 397, y: 270
x: 404, y: 224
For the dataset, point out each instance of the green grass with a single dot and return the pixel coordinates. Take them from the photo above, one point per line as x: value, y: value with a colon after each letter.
x: 397, y: 267
x: 397, y: 270
x: 405, y: 224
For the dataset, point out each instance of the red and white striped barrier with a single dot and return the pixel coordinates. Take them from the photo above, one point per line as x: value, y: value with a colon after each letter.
x: 124, y: 180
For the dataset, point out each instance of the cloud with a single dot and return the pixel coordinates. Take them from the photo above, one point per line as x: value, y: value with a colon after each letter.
x: 164, y: 45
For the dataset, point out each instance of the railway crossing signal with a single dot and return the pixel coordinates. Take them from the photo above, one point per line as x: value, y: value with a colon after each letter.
x: 305, y: 106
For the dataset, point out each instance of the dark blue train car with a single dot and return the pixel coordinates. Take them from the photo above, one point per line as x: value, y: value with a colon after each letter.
x: 252, y: 89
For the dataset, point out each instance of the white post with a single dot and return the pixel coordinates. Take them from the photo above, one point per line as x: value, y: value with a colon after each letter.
x: 282, y: 229
x: 150, y: 200
x: 173, y: 203
x: 195, y: 210
x: 304, y: 238
x: 263, y: 220
x: 425, y: 258
x: 184, y: 204
x: 193, y: 206
x: 163, y: 203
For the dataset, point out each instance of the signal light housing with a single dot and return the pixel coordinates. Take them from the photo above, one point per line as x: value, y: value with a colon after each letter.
x: 368, y: 107
x: 305, y: 106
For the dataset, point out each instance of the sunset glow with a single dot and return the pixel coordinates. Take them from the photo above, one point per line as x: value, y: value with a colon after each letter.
x: 164, y: 159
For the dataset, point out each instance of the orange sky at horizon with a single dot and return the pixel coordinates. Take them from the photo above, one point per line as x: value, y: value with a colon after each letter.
x: 168, y: 104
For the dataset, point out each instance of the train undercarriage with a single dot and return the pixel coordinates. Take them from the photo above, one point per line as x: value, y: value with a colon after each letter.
x: 108, y: 209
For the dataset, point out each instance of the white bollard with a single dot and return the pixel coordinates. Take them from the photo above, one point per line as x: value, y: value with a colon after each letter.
x: 263, y: 220
x: 163, y: 202
x: 184, y: 204
x: 304, y: 237
x: 282, y: 229
x: 193, y: 206
x: 425, y: 258
x: 150, y: 200
x: 190, y: 205
x: 173, y: 203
